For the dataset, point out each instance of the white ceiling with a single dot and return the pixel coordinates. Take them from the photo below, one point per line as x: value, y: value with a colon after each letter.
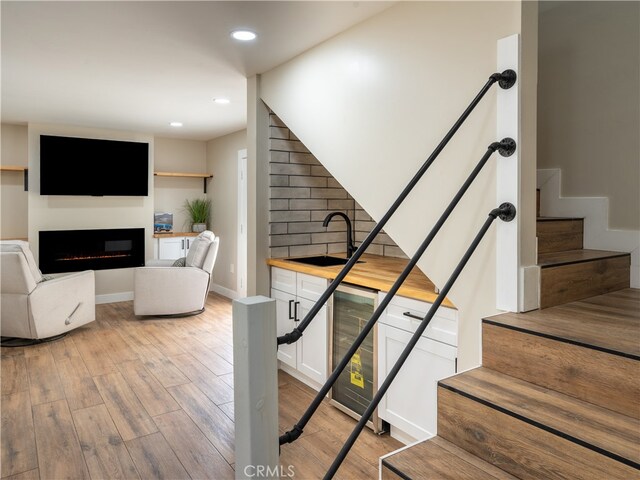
x: 137, y: 66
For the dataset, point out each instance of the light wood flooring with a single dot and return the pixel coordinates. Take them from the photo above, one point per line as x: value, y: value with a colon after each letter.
x: 129, y: 398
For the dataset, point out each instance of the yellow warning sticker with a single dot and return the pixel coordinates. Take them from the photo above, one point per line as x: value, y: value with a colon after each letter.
x: 356, y: 370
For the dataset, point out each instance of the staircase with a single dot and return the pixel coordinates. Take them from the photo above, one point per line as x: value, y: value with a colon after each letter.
x: 558, y: 395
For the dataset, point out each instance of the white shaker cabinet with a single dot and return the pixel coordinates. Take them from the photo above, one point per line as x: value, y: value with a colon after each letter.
x: 172, y: 248
x: 410, y: 405
x: 295, y: 294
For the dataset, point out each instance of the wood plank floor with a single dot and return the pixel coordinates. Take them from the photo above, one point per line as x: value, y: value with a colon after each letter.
x: 129, y: 398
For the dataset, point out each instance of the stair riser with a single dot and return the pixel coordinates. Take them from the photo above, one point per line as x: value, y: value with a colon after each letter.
x: 567, y: 283
x: 522, y: 449
x: 591, y: 375
x: 387, y: 474
x: 559, y: 235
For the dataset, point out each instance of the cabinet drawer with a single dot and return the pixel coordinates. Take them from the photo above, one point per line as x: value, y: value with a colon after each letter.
x: 283, y: 280
x: 401, y: 311
x: 310, y: 287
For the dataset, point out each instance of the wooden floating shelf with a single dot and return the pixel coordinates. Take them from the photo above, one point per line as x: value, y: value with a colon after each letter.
x: 12, y: 168
x: 204, y: 176
x: 181, y: 174
x: 15, y: 168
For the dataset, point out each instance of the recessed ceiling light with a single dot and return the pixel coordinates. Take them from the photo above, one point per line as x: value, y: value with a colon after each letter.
x: 221, y: 101
x: 243, y: 35
x: 176, y: 124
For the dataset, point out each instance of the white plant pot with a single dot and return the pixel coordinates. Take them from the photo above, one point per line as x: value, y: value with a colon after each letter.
x: 198, y: 227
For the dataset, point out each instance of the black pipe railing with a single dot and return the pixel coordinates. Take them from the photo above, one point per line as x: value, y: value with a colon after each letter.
x: 505, y: 80
x: 505, y: 212
x: 506, y: 147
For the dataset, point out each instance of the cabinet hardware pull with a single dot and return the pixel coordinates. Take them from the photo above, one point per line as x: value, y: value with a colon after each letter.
x: 411, y: 315
x: 182, y: 244
x: 295, y: 312
x: 290, y: 304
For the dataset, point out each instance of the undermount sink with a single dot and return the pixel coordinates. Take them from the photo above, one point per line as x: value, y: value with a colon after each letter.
x: 322, y: 261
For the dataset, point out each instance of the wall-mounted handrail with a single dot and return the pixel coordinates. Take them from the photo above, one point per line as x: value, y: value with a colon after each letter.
x: 506, y: 147
x: 506, y: 80
x: 505, y: 212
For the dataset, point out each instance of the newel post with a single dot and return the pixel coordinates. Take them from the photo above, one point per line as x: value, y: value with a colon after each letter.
x: 255, y: 379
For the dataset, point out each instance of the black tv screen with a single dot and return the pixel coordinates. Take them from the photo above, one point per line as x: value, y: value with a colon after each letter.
x: 86, y: 166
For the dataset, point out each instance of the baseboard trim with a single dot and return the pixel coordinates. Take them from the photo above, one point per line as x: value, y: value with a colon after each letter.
x: 114, y: 297
x: 224, y: 291
x: 595, y: 211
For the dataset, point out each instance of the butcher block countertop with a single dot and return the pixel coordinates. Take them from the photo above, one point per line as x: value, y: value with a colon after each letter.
x: 174, y: 234
x: 376, y: 272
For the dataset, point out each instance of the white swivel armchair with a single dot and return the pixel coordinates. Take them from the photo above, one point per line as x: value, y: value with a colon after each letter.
x: 33, y: 307
x: 161, y: 289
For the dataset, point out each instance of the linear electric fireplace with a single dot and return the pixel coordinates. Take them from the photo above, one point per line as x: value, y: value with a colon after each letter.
x: 76, y: 250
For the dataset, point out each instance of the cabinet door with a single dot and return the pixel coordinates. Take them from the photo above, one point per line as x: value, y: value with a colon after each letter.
x: 284, y: 321
x: 312, y: 347
x: 411, y: 403
x: 171, y: 248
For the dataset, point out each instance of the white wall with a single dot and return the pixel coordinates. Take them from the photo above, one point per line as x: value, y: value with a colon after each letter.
x: 47, y: 212
x: 13, y: 198
x: 222, y: 161
x: 589, y: 102
x: 170, y: 193
x: 385, y: 92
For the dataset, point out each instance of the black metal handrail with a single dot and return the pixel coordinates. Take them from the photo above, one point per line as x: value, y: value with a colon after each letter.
x: 505, y: 80
x: 506, y: 147
x: 505, y: 212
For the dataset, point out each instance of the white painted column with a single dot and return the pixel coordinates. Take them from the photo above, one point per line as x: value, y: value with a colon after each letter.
x: 508, y: 181
x: 255, y: 380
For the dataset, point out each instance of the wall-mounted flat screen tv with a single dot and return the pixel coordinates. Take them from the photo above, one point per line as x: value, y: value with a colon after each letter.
x: 87, y: 166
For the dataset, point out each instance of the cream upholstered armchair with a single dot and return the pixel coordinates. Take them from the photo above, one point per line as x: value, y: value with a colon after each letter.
x: 35, y: 307
x: 161, y: 288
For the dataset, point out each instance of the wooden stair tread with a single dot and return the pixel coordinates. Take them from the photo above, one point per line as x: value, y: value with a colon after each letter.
x: 558, y: 219
x: 609, y: 322
x: 556, y: 259
x: 438, y: 458
x: 604, y: 431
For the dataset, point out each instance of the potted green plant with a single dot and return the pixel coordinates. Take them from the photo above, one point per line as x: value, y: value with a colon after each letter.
x: 199, y: 211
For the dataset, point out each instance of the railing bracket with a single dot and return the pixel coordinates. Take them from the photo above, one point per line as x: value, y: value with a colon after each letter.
x: 506, y: 212
x: 507, y: 79
x: 507, y: 147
